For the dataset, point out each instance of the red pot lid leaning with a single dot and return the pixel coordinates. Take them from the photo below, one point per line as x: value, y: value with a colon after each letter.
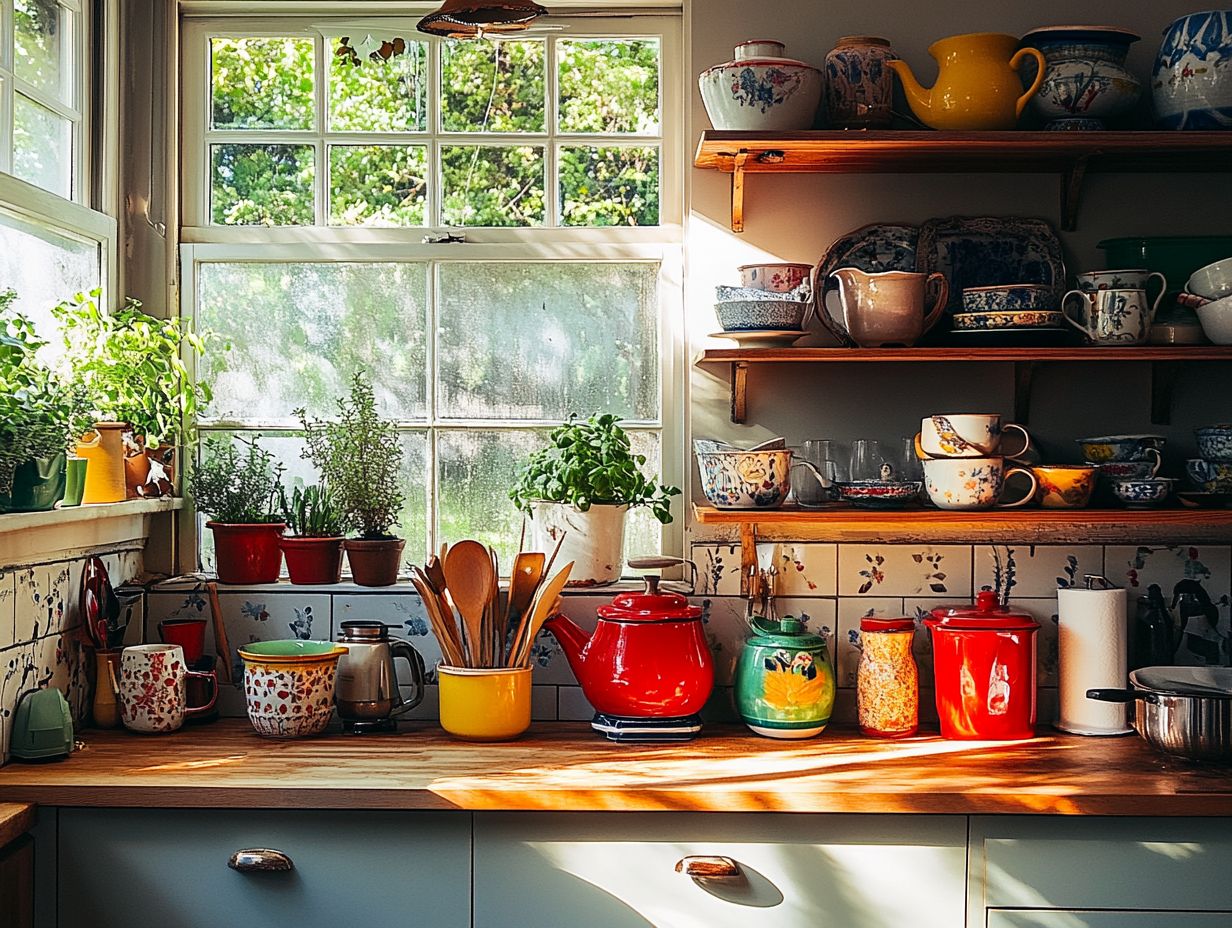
x: 650, y: 605
x: 987, y: 614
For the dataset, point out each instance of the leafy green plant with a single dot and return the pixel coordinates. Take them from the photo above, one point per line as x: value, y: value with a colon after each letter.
x: 237, y: 488
x: 311, y: 512
x: 131, y: 366
x: 359, y: 457
x: 590, y: 463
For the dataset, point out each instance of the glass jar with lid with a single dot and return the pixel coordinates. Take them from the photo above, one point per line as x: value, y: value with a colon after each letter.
x: 887, y: 680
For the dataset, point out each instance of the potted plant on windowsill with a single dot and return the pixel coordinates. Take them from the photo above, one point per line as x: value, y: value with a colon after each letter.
x: 241, y: 492
x: 314, y: 552
x: 582, y: 485
x: 359, y: 457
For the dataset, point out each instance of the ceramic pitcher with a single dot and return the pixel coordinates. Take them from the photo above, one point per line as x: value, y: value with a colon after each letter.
x: 977, y: 86
x: 1111, y: 317
x: 888, y: 308
x: 103, y: 447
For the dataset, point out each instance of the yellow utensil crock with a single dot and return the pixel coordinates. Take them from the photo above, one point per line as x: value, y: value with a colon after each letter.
x: 480, y: 704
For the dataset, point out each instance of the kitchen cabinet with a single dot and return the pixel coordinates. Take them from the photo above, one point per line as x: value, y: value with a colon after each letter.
x: 1073, y: 918
x: 17, y: 883
x: 133, y: 867
x: 619, y: 870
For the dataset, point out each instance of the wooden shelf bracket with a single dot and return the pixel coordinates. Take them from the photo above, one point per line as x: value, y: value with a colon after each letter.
x: 1024, y: 376
x: 1163, y: 379
x: 1071, y: 192
x: 739, y: 391
x: 737, y: 190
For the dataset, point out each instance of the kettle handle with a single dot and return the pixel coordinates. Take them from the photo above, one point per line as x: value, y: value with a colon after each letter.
x: 400, y: 648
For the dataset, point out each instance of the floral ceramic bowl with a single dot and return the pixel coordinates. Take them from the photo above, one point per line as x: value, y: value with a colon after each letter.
x: 1210, y: 476
x: 761, y: 90
x: 1067, y: 486
x: 1010, y: 319
x: 1104, y: 448
x: 1142, y: 494
x: 1007, y: 297
x: 742, y: 315
x: 1215, y: 443
x: 737, y: 479
x: 880, y: 494
x: 289, y: 686
x: 1129, y: 470
x: 775, y: 278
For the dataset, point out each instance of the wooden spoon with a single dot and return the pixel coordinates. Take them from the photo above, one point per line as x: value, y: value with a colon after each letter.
x: 444, y: 630
x: 468, y: 576
x: 523, y: 581
x: 541, y: 607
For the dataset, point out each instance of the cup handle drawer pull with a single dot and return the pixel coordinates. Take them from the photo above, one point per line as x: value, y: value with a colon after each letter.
x: 260, y: 860
x: 709, y: 867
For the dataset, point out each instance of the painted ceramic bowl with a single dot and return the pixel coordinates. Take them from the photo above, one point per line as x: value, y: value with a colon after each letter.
x: 1013, y: 319
x: 736, y: 479
x: 1216, y: 319
x: 761, y: 90
x: 1209, y: 476
x: 1142, y: 494
x: 1215, y: 442
x: 1007, y: 297
x: 880, y: 494
x: 1190, y: 81
x: 724, y: 293
x: 742, y: 315
x: 1213, y: 281
x: 289, y: 686
x: 1128, y: 470
x: 1067, y: 486
x: 1086, y: 79
x: 1104, y: 448
x: 777, y: 278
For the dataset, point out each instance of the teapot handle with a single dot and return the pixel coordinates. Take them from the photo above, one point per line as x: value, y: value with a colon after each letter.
x: 943, y: 297
x: 399, y: 648
x: 1039, y: 75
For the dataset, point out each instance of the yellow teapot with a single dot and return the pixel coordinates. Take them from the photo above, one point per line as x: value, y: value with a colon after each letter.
x: 977, y: 86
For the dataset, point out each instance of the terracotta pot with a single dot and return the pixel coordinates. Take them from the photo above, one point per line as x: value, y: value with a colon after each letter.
x: 247, y: 553
x: 103, y: 447
x: 312, y: 560
x: 374, y: 563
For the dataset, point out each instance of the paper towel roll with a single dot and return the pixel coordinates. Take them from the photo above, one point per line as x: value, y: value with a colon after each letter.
x: 1092, y: 637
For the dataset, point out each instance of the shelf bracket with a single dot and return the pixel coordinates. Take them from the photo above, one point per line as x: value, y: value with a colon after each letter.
x: 737, y: 190
x: 1163, y: 378
x: 739, y: 391
x: 1024, y: 375
x: 1071, y: 193
x: 748, y: 554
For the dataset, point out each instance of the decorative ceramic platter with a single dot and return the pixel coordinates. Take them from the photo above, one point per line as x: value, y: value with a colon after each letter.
x: 987, y: 251
x: 872, y: 248
x: 1012, y: 338
x: 1014, y: 319
x: 762, y: 338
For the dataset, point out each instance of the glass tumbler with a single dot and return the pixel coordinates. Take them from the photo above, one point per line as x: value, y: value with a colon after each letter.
x: 869, y: 461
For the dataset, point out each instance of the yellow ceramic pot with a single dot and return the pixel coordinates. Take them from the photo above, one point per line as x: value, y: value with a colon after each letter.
x: 479, y: 704
x: 977, y: 85
x: 103, y: 447
x: 1065, y: 486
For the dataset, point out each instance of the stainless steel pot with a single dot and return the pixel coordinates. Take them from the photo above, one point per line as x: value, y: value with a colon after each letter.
x: 1185, y: 711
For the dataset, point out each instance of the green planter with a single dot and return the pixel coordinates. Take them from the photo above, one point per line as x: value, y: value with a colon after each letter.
x: 37, y: 485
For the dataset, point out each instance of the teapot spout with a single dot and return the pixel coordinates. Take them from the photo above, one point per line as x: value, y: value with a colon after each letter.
x: 918, y: 98
x: 572, y: 641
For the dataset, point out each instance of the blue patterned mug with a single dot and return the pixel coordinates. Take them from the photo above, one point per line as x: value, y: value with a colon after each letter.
x: 1111, y: 317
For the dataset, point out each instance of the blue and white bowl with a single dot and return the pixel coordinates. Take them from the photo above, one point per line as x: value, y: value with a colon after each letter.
x: 1210, y: 476
x: 1215, y: 443
x: 1142, y: 494
x: 1104, y: 448
x: 1192, y: 78
x: 1007, y: 298
x: 746, y: 315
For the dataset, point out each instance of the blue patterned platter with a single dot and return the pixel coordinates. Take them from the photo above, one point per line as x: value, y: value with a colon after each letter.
x: 872, y: 248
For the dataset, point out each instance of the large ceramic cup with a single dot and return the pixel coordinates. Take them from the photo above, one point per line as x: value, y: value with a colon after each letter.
x: 1111, y: 317
x: 1087, y: 81
x: 735, y: 479
x: 889, y: 308
x: 973, y: 483
x: 969, y: 435
x: 1065, y: 486
x: 289, y: 686
x: 151, y: 688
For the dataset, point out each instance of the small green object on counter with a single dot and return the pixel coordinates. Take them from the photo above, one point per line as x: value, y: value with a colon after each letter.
x: 42, y: 726
x: 784, y: 682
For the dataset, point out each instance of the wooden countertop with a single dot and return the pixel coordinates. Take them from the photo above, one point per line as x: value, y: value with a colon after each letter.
x: 564, y: 767
x: 16, y: 818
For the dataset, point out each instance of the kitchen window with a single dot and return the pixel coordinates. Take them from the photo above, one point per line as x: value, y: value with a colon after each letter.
x: 323, y: 165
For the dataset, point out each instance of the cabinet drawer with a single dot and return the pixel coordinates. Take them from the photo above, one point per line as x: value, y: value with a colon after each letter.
x: 618, y: 870
x: 1056, y: 918
x: 1101, y: 863
x: 124, y: 868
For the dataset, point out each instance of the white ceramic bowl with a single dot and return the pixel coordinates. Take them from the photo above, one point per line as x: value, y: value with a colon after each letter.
x: 1213, y: 281
x: 1216, y: 319
x: 760, y: 91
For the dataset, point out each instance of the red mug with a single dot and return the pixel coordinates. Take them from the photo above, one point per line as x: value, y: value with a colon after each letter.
x: 189, y: 634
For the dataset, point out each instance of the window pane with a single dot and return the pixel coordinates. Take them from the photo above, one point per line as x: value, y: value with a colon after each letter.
x: 42, y: 147
x: 609, y: 186
x: 608, y: 85
x: 491, y: 186
x: 263, y: 185
x: 375, y: 94
x: 262, y: 83
x: 44, y: 267
x: 377, y: 185
x: 492, y: 86
x: 42, y: 45
x: 298, y: 332
x: 541, y: 340
x: 643, y: 533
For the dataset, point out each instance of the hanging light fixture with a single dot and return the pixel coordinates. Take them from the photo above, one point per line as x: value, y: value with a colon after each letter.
x: 473, y: 19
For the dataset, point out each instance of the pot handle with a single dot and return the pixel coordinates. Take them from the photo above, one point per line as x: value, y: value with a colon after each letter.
x: 1112, y: 695
x: 662, y: 561
x: 400, y: 648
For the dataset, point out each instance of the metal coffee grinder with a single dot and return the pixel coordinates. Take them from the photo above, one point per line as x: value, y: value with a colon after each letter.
x: 366, y: 691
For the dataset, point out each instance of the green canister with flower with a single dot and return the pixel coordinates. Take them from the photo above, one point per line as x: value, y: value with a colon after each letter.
x: 784, y: 682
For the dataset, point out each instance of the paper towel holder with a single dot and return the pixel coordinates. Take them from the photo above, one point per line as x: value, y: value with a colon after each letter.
x: 1104, y: 583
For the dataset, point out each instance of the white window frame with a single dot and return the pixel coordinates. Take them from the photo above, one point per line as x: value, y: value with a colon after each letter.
x: 662, y: 244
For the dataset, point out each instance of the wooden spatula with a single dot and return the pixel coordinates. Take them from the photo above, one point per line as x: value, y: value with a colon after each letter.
x: 444, y: 630
x: 523, y: 581
x: 540, y: 608
x: 468, y: 576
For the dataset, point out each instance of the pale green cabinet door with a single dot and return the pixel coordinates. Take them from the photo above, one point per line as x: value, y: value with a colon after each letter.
x: 1077, y: 919
x: 128, y: 868
x: 617, y: 870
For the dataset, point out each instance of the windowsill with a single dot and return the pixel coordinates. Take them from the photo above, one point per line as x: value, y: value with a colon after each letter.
x: 402, y: 588
x: 20, y: 521
x: 36, y: 537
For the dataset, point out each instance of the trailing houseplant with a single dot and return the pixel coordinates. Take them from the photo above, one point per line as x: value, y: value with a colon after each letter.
x: 359, y: 457
x: 314, y: 549
x: 242, y: 491
x: 583, y: 483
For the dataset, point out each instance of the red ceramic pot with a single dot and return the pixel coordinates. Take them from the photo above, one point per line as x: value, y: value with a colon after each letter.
x: 312, y: 560
x: 984, y: 663
x: 647, y: 658
x: 247, y: 553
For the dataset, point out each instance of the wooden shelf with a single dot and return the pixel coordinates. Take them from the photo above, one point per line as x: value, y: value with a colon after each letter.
x: 1165, y: 361
x: 1071, y: 154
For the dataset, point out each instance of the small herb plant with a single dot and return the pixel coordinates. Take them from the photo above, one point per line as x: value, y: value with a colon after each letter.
x: 590, y: 463
x: 237, y: 488
x: 310, y: 512
x: 359, y: 457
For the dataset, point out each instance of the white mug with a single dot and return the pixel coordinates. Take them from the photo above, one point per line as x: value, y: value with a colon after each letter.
x: 968, y: 435
x: 1112, y: 317
x: 972, y: 483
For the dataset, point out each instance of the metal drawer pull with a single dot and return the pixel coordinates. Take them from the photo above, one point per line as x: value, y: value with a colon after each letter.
x: 260, y: 860
x: 709, y: 867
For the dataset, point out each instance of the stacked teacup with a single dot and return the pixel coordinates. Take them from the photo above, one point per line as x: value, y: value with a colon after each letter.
x: 1129, y: 467
x: 1112, y: 307
x: 768, y: 308
x: 1212, y: 472
x: 965, y: 461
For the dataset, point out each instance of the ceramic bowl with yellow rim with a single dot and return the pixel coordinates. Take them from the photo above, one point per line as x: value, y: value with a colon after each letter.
x: 289, y: 686
x: 1009, y: 319
x: 484, y: 704
x: 1065, y: 486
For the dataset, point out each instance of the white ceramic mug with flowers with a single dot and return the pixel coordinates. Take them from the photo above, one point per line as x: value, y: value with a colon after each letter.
x: 968, y: 435
x: 973, y: 483
x: 151, y: 688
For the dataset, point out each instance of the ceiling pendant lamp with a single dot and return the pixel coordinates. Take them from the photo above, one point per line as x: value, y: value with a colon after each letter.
x: 473, y: 19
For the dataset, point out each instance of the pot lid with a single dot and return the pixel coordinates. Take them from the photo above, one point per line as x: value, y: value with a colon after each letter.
x: 650, y: 605
x: 787, y: 632
x: 986, y: 615
x: 1114, y: 34
x: 874, y: 624
x: 1185, y: 681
